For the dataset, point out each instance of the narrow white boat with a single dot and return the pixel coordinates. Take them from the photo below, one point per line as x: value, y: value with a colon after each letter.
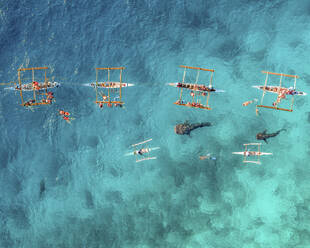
x: 29, y: 86
x: 112, y: 85
x: 249, y: 153
x: 195, y: 87
x: 274, y: 89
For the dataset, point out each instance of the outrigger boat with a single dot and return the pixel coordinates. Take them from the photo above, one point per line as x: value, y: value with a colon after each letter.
x: 281, y: 92
x: 40, y: 94
x: 109, y: 98
x: 142, y: 154
x: 197, y: 91
x: 247, y: 153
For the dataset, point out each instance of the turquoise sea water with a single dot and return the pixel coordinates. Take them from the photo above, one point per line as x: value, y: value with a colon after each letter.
x: 95, y: 196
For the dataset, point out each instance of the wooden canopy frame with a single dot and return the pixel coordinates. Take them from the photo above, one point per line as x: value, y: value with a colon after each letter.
x: 196, y: 92
x: 278, y: 92
x: 108, y: 86
x: 36, y: 93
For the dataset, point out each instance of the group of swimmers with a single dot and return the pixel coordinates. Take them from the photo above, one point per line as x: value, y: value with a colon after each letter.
x: 195, y: 87
x: 65, y: 116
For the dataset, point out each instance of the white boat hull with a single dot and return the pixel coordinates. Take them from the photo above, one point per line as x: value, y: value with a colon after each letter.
x: 111, y: 85
x: 176, y: 85
x: 260, y: 154
x: 261, y: 87
x: 28, y: 87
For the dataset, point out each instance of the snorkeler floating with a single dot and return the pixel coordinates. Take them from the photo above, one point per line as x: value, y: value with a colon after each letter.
x: 249, y: 102
x: 264, y: 136
x: 186, y: 127
x: 208, y: 156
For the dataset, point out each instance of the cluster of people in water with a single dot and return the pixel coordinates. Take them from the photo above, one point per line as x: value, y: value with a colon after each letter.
x: 65, y: 116
x: 195, y: 87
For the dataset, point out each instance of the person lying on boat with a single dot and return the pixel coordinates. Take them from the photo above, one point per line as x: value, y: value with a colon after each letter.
x: 36, y: 85
x: 249, y: 153
x: 291, y: 91
x: 142, y: 151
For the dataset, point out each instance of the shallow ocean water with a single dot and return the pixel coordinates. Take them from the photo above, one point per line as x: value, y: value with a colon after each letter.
x: 94, y: 196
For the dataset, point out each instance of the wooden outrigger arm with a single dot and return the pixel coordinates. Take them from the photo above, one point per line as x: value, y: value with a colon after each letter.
x: 186, y: 105
x: 276, y: 108
x: 280, y: 74
x: 196, y: 68
x: 143, y: 142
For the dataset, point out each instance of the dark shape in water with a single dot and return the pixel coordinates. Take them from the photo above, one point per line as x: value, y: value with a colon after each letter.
x: 264, y: 136
x: 186, y: 127
x: 42, y: 188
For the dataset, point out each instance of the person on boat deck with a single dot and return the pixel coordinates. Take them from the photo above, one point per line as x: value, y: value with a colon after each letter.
x: 291, y: 92
x: 249, y: 153
x: 212, y: 88
x: 142, y: 151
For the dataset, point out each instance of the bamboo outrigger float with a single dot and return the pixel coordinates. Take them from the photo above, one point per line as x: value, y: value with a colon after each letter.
x: 40, y: 94
x: 197, y: 91
x: 247, y: 153
x: 111, y: 87
x: 281, y: 92
x: 142, y: 153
